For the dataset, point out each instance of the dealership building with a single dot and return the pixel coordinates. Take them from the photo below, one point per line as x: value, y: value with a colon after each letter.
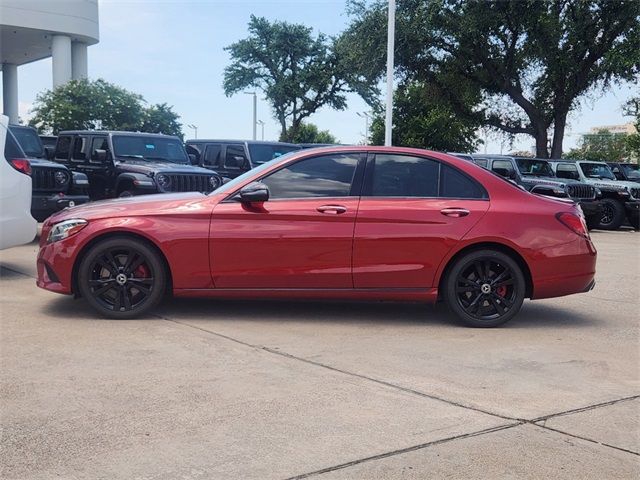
x: 31, y: 30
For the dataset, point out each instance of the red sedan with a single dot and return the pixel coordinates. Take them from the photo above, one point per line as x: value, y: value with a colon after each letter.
x: 347, y: 222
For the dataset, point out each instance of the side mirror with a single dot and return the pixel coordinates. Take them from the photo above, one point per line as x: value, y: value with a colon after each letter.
x: 255, y: 192
x: 193, y: 159
x: 49, y: 152
x: 101, y: 155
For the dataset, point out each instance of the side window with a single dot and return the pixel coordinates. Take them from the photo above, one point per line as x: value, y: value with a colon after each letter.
x: 325, y: 176
x: 80, y: 149
x: 63, y: 146
x: 455, y: 184
x: 98, y: 143
x: 483, y: 162
x: 567, y: 170
x: 404, y: 176
x: 504, y: 168
x: 212, y: 155
x: 235, y: 159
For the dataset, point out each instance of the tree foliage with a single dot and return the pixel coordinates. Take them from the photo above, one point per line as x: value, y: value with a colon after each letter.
x: 632, y: 109
x: 298, y: 73
x: 423, y: 118
x: 98, y: 104
x: 533, y: 60
x: 602, y: 146
x: 309, y: 133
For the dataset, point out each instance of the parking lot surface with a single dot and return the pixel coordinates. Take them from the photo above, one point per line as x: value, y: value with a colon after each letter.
x: 246, y: 389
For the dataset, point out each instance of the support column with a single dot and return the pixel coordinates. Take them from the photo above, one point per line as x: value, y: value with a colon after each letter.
x: 78, y: 60
x: 10, y: 91
x: 61, y: 59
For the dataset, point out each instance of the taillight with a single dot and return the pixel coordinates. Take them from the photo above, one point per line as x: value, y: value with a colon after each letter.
x: 22, y: 165
x: 573, y: 222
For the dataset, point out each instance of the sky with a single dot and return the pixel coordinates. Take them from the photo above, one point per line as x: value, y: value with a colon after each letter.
x: 173, y: 51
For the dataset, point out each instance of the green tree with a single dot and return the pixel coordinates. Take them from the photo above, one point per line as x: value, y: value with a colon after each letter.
x: 297, y: 72
x: 424, y: 118
x: 533, y: 60
x: 602, y: 146
x: 632, y: 109
x: 309, y: 133
x: 98, y: 104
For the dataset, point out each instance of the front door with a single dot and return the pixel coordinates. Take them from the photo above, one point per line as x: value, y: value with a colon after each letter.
x: 301, y: 238
x: 413, y: 210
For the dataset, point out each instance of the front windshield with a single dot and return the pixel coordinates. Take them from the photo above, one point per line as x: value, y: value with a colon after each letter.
x: 229, y: 186
x: 539, y: 168
x: 261, y: 153
x: 632, y: 171
x: 29, y: 141
x: 165, y: 149
x: 597, y: 170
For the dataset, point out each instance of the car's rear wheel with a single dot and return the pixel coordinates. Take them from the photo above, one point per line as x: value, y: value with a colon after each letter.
x: 612, y: 214
x: 122, y: 277
x: 485, y: 288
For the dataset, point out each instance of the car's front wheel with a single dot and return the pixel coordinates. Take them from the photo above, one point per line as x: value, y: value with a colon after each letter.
x: 612, y: 214
x: 122, y: 277
x: 485, y: 288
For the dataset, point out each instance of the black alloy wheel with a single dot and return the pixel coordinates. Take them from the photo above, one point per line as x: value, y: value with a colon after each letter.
x: 122, y: 278
x: 485, y: 288
x: 612, y: 214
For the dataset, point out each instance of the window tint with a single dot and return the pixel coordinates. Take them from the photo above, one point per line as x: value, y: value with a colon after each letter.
x: 212, y: 155
x: 12, y: 148
x: 503, y: 168
x: 98, y: 143
x: 567, y: 170
x: 80, y: 148
x: 29, y: 141
x: 62, y: 148
x: 325, y: 176
x: 235, y: 158
x: 404, y: 176
x: 455, y: 184
x: 261, y: 153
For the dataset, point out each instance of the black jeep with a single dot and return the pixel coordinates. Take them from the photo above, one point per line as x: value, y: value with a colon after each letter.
x: 121, y: 164
x: 537, y: 176
x: 54, y: 186
x: 629, y: 172
x: 231, y: 158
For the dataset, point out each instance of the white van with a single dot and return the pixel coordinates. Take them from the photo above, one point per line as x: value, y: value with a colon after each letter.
x: 17, y: 226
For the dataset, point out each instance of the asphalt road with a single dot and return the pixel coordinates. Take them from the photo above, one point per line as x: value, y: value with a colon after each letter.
x: 260, y: 390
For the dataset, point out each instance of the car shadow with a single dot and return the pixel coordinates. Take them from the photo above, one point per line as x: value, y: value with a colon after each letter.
x: 533, y: 314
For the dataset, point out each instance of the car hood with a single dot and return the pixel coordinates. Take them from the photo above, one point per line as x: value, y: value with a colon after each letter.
x: 531, y: 179
x: 152, y: 167
x: 612, y: 184
x: 143, y: 205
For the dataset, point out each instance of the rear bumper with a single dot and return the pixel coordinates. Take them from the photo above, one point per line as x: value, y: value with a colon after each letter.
x: 45, y: 205
x: 564, y: 269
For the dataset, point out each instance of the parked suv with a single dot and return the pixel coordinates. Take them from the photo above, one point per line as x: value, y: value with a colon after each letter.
x: 54, y: 186
x: 231, y: 158
x: 629, y: 172
x: 537, y: 176
x: 620, y: 200
x: 121, y: 164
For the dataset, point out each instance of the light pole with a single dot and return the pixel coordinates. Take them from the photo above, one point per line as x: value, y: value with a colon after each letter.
x: 366, y: 117
x: 255, y: 113
x: 391, y: 31
x: 261, y: 123
x: 195, y: 130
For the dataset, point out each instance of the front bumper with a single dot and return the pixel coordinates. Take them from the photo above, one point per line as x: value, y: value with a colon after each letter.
x: 44, y: 205
x: 591, y: 208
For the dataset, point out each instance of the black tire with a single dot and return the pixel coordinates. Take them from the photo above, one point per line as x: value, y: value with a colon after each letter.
x: 484, y: 288
x: 122, y: 278
x: 125, y: 193
x: 612, y: 214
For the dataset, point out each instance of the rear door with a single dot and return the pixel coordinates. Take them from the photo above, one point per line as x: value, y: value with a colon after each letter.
x: 412, y: 212
x: 234, y: 161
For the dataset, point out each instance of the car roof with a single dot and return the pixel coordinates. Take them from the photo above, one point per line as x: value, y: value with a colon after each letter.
x: 114, y: 132
x: 248, y: 142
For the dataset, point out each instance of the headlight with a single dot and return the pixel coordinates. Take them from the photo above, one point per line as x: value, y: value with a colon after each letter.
x: 61, y: 177
x: 163, y: 181
x: 214, y: 182
x: 65, y: 229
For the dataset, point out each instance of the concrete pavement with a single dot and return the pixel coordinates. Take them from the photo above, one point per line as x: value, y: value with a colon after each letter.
x: 230, y: 389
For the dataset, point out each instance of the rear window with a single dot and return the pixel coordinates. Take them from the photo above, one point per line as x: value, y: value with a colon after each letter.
x: 12, y: 148
x: 29, y: 141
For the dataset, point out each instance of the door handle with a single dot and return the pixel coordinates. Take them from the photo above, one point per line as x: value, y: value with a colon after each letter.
x: 455, y: 212
x: 332, y: 209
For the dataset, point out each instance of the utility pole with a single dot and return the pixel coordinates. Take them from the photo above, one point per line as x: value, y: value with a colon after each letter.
x: 391, y: 32
x: 195, y: 130
x: 366, y: 117
x: 261, y: 123
x: 255, y: 113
